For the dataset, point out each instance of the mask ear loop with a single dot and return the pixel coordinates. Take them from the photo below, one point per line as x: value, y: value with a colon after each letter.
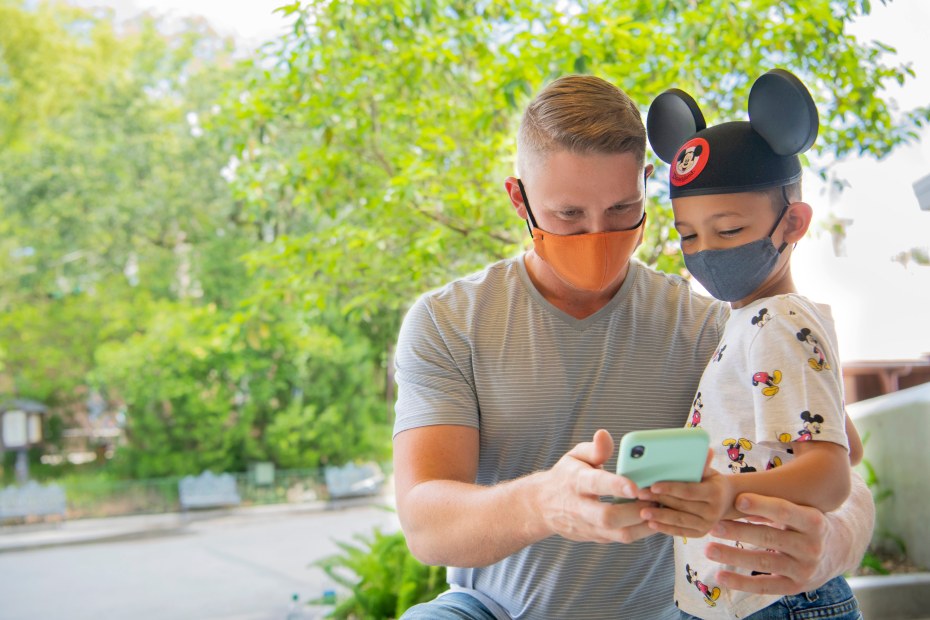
x: 530, y: 218
x: 784, y: 195
x: 529, y: 212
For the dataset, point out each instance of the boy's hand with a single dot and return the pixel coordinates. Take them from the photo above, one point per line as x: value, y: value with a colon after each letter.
x: 689, y: 509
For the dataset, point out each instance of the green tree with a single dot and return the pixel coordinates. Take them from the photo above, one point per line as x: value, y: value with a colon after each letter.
x: 209, y: 389
x: 375, y: 135
x: 109, y: 196
x: 228, y: 248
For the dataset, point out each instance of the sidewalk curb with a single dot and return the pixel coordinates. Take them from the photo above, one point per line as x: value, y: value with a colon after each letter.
x: 31, y: 537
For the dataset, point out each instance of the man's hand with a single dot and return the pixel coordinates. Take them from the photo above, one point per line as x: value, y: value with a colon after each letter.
x: 689, y: 509
x: 569, y: 502
x: 792, y: 544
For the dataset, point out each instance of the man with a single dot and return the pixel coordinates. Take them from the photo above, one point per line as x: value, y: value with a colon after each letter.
x: 514, y: 381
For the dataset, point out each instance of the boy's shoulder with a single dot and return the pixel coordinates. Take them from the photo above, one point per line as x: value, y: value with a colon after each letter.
x: 788, y: 305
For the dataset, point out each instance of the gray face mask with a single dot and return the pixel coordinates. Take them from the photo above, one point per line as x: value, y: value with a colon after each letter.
x: 734, y: 273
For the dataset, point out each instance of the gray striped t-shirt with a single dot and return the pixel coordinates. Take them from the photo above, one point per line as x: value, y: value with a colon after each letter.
x: 488, y: 351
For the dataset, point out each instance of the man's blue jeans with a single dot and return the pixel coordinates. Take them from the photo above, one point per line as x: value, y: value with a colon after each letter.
x: 453, y: 606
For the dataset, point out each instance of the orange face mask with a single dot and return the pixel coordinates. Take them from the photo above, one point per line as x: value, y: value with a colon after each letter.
x: 589, y: 261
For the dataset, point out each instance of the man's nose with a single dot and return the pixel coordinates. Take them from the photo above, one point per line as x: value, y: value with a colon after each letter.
x: 598, y: 224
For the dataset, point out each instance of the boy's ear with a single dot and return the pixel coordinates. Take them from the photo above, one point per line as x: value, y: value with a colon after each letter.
x: 797, y: 219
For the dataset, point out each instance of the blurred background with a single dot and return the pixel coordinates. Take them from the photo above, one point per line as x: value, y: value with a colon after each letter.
x: 214, y: 215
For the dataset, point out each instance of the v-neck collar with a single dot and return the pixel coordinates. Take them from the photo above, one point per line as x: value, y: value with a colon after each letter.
x: 578, y: 324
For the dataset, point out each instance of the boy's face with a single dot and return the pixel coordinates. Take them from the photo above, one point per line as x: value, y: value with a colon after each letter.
x: 720, y: 221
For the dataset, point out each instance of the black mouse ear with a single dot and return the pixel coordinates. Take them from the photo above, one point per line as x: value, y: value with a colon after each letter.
x: 673, y: 118
x: 782, y: 111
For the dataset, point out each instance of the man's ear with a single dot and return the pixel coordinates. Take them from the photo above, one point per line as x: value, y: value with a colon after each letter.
x: 516, y: 198
x: 649, y: 170
x: 797, y: 220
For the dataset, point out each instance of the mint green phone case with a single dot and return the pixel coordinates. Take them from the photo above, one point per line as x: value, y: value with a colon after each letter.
x: 676, y: 454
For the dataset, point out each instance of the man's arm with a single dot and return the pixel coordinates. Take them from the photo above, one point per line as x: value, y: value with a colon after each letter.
x: 449, y: 520
x: 811, y: 549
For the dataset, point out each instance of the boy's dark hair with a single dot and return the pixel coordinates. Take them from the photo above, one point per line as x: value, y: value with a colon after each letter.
x: 783, y: 194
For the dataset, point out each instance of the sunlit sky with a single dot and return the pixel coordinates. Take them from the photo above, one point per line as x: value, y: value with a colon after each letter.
x: 880, y: 306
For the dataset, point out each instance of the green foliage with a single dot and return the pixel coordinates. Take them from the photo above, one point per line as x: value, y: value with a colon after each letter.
x: 226, y: 249
x: 386, y: 128
x: 212, y: 389
x: 383, y: 577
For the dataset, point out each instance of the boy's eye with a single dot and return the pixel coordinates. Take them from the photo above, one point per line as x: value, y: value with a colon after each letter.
x: 731, y: 232
x: 685, y: 238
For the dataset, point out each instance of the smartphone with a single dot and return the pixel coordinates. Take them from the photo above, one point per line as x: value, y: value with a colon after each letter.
x: 676, y: 454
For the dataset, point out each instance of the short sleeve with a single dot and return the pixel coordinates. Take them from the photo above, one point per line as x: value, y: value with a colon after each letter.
x: 797, y: 386
x: 431, y: 387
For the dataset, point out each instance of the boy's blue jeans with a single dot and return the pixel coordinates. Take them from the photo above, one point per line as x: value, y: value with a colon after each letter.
x: 833, y: 600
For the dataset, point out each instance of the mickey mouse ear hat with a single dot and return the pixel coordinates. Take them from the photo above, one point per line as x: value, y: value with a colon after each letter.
x: 737, y: 156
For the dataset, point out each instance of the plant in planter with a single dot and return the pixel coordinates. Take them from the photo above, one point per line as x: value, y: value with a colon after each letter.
x: 888, y: 552
x: 382, y: 576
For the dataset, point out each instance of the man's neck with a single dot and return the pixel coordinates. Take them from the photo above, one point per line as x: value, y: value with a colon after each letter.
x: 572, y: 301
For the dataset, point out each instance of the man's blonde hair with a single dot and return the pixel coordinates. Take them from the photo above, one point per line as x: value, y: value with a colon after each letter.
x: 581, y: 114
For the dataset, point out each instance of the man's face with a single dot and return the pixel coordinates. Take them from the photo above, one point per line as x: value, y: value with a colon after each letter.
x: 574, y: 194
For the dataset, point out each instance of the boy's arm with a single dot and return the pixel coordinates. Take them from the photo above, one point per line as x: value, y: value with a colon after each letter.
x: 818, y: 477
x: 855, y: 443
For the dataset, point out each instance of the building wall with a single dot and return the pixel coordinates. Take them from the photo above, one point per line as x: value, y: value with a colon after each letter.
x: 896, y: 433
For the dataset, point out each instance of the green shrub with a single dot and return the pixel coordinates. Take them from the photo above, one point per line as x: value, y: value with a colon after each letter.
x: 383, y: 577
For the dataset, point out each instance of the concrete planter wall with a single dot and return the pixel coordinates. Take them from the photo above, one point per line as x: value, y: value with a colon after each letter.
x: 893, y: 597
x: 898, y: 447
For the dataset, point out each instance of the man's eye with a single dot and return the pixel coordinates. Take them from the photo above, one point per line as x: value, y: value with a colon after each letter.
x: 685, y: 238
x: 731, y: 232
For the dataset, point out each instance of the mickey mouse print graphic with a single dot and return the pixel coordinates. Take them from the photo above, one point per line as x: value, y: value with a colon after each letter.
x: 690, y: 161
x: 736, y: 197
x: 820, y: 363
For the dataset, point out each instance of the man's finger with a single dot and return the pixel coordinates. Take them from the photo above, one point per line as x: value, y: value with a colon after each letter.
x: 758, y: 584
x: 597, y: 482
x: 788, y: 542
x: 596, y: 452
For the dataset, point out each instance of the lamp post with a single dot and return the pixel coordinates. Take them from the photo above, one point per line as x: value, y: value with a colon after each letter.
x: 21, y: 428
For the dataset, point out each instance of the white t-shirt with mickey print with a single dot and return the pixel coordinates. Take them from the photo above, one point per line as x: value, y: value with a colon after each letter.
x: 774, y: 379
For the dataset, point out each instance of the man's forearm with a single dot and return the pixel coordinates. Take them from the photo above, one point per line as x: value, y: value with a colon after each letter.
x: 460, y: 524
x: 850, y: 529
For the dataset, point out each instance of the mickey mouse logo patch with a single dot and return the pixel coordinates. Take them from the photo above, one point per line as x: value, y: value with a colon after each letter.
x: 690, y: 161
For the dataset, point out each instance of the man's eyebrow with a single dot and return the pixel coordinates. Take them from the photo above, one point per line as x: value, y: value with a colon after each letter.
x: 622, y: 203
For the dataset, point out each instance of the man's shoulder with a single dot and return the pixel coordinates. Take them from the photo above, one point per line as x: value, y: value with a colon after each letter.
x: 674, y: 288
x: 490, y: 280
x: 459, y: 300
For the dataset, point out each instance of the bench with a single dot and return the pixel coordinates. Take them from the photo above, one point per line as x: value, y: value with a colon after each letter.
x: 208, y: 490
x: 353, y: 480
x: 32, y: 500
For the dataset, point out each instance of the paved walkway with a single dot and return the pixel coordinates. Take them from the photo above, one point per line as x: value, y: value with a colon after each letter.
x: 83, y: 531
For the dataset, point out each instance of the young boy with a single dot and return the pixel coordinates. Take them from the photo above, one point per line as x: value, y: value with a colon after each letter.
x: 771, y: 396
